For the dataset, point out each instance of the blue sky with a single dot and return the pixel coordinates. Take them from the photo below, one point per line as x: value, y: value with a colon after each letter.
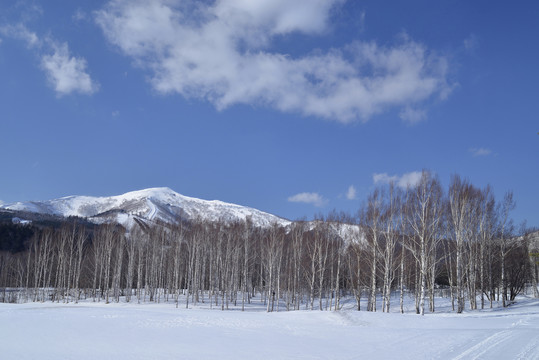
x: 294, y: 108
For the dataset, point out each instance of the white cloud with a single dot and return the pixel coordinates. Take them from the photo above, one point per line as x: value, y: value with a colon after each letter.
x: 66, y: 73
x: 405, y: 180
x: 351, y: 193
x: 410, y: 179
x: 309, y: 198
x: 480, y: 151
x: 384, y: 178
x: 221, y: 52
x: 412, y: 116
x: 20, y: 32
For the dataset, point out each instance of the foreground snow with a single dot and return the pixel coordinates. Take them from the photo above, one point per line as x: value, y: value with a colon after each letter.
x: 158, y: 331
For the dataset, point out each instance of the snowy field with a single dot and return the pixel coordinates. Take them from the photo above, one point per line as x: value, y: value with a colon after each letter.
x: 160, y: 331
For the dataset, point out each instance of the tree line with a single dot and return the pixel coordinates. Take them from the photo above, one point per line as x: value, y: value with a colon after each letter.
x: 421, y: 242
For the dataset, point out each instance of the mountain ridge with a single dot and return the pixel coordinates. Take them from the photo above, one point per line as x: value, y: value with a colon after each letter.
x: 150, y: 205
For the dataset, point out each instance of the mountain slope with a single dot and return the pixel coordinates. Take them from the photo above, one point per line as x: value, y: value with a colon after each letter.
x: 154, y: 204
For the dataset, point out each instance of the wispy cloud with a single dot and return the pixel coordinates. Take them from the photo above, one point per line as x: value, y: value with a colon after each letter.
x: 351, y: 193
x: 412, y: 116
x: 480, y: 151
x: 20, y: 32
x: 309, y: 198
x: 362, y: 23
x: 28, y: 10
x: 221, y: 52
x: 79, y: 15
x: 403, y: 181
x: 471, y: 42
x: 65, y: 73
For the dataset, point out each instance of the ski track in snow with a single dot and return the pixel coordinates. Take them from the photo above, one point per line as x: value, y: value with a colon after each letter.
x: 520, y: 342
x: 506, y: 344
x: 487, y: 345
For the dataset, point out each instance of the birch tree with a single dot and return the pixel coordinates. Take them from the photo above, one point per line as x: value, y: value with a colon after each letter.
x: 505, y: 238
x: 461, y: 210
x: 391, y: 218
x: 371, y: 222
x: 424, y: 216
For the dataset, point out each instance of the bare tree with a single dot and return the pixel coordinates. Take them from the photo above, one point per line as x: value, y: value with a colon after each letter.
x: 272, y: 247
x: 424, y: 216
x: 486, y: 233
x: 532, y: 241
x: 297, y: 238
x: 391, y: 219
x: 81, y: 238
x: 371, y: 222
x: 355, y: 256
x: 461, y: 209
x: 505, y: 238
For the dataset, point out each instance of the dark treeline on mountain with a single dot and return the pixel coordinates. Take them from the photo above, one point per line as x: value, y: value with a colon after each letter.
x: 422, y: 242
x: 15, y: 237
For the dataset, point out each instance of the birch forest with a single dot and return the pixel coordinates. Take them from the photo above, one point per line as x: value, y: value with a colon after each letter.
x: 422, y: 242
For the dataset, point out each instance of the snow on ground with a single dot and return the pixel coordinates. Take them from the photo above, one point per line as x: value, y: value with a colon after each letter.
x: 91, y: 330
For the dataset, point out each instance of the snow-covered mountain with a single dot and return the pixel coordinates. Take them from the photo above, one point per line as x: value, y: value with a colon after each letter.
x: 149, y: 205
